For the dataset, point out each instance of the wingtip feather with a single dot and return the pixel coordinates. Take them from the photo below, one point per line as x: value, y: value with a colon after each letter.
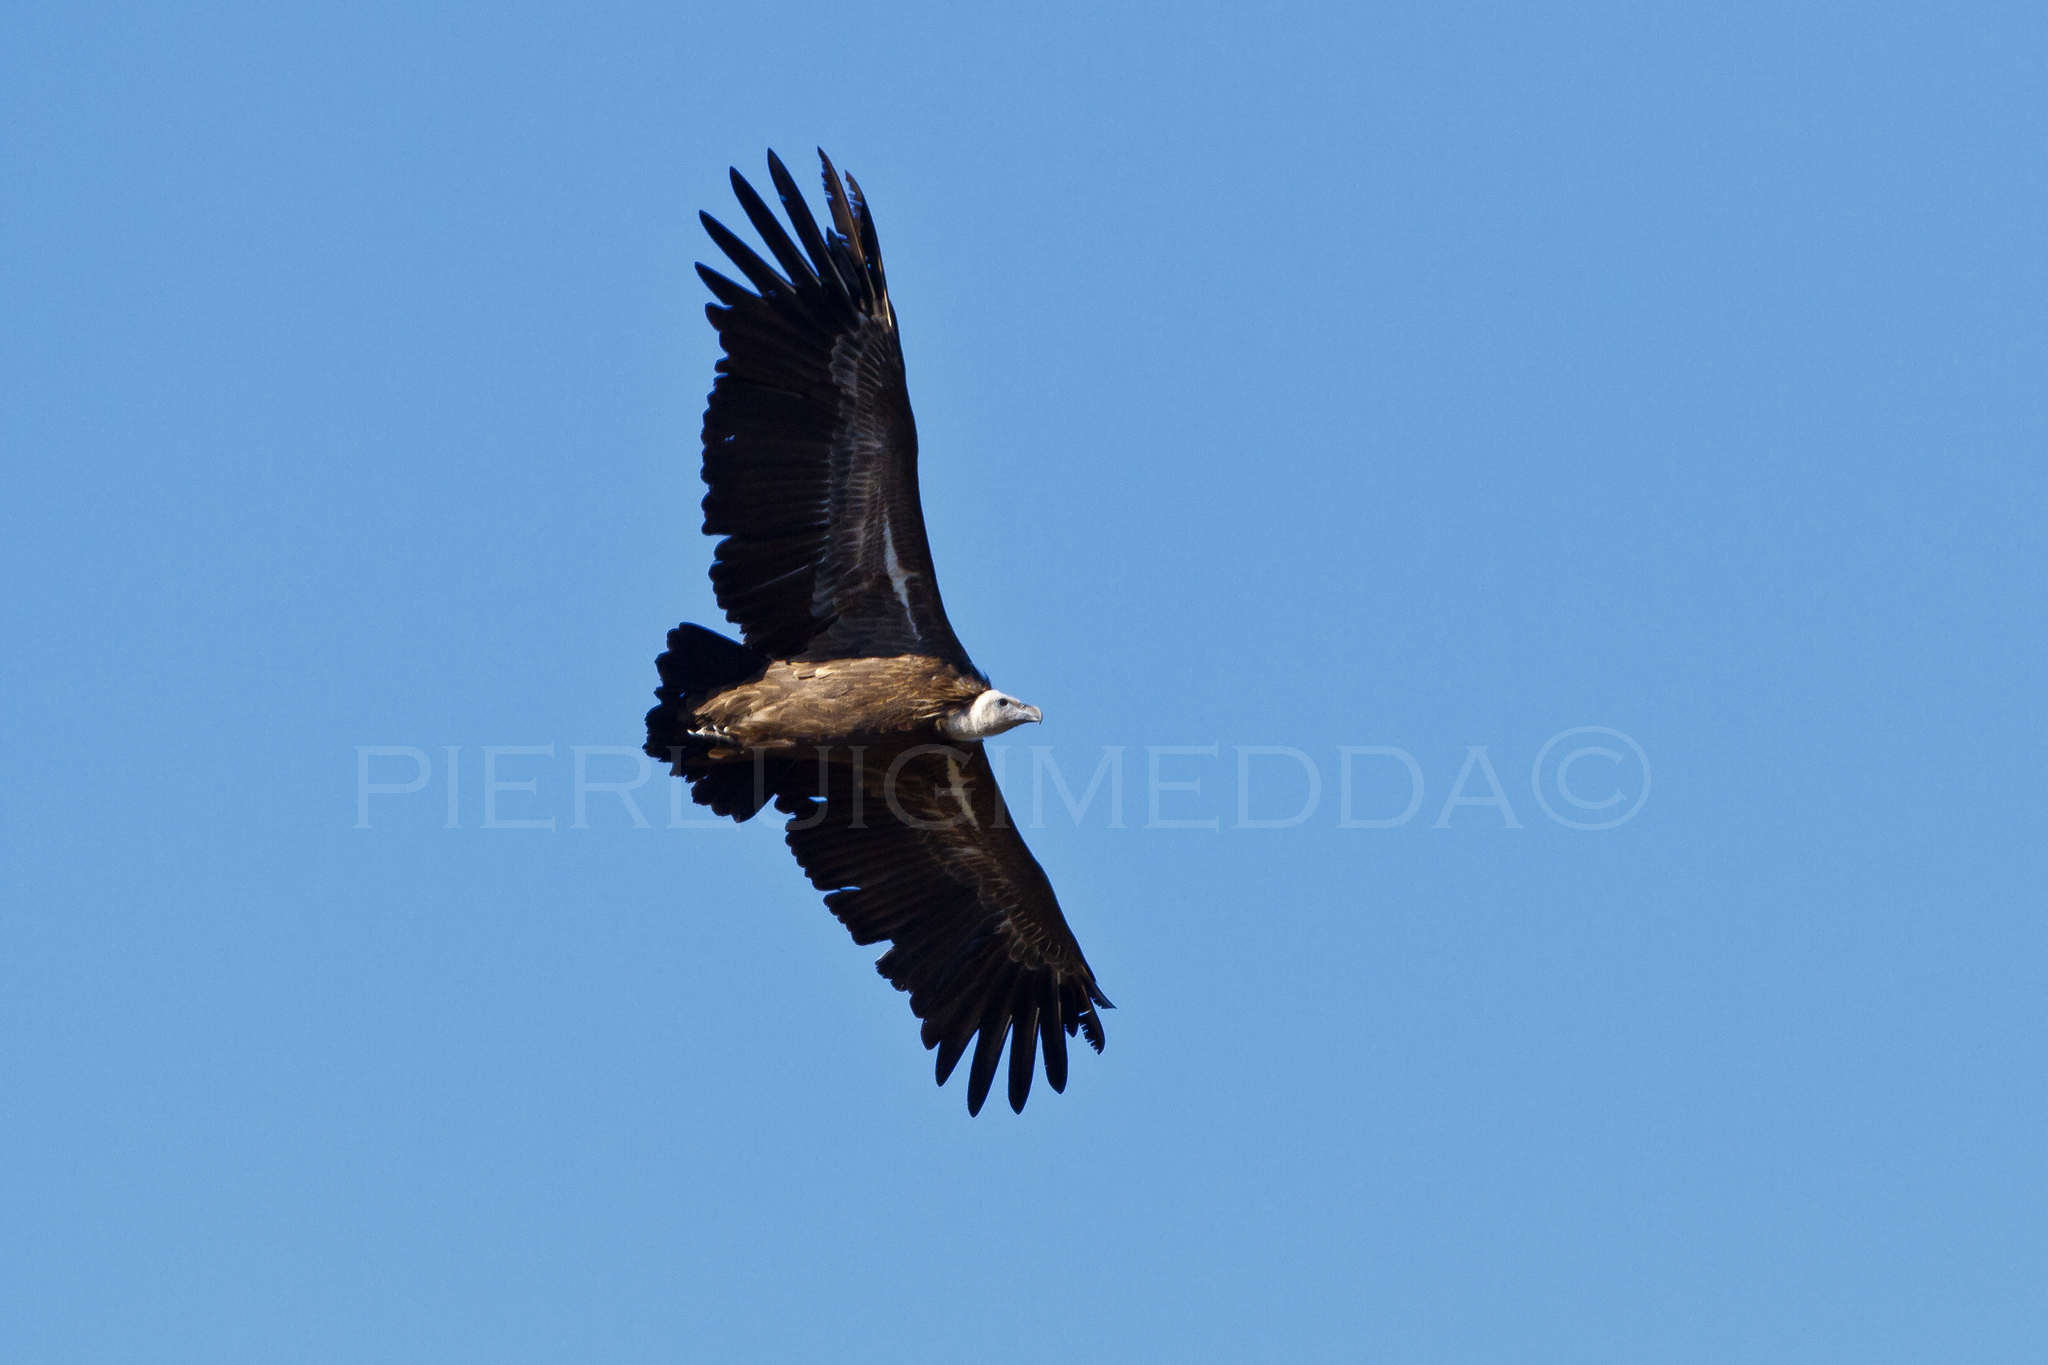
x: 950, y: 1051
x: 1023, y: 1057
x: 988, y: 1050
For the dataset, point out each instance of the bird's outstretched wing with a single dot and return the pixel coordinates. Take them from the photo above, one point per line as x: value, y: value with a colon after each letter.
x: 922, y: 851
x: 810, y: 450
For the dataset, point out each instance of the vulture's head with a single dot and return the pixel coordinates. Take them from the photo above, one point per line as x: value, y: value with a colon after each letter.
x: 991, y: 713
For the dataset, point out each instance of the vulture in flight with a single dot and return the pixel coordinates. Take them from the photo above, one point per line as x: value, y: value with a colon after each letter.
x: 847, y: 701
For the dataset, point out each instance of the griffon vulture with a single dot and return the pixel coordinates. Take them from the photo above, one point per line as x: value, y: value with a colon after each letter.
x: 850, y: 704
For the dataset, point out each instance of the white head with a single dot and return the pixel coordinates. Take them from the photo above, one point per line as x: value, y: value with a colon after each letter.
x: 990, y: 714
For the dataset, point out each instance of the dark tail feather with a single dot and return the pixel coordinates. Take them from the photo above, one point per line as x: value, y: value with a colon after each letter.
x: 699, y: 661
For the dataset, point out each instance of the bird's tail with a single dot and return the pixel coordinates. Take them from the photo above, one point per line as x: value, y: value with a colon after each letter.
x: 697, y: 661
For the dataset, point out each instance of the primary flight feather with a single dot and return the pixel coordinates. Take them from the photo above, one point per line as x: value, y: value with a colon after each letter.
x: 851, y: 704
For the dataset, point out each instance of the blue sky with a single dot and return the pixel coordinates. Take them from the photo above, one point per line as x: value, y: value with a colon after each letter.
x: 1315, y: 379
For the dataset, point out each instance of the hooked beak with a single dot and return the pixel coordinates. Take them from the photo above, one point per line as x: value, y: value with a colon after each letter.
x: 1034, y: 713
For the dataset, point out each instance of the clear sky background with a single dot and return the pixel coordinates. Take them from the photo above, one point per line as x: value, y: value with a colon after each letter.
x: 1431, y: 378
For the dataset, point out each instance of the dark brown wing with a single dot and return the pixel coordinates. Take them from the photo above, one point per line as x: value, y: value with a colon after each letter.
x: 920, y: 850
x: 810, y: 450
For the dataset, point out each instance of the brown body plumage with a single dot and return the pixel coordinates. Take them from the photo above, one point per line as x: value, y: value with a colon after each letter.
x: 799, y: 704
